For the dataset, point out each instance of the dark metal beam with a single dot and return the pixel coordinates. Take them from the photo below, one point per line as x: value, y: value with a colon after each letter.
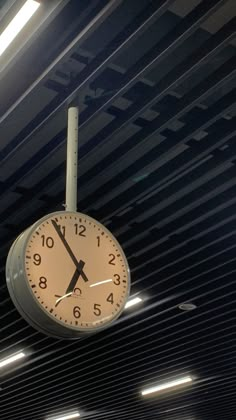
x: 173, y: 140
x: 198, y: 93
x: 94, y: 68
x: 176, y: 37
x: 176, y: 76
x: 169, y: 173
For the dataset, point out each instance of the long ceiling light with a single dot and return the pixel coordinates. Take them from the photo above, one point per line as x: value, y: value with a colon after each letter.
x: 17, y: 24
x: 133, y: 302
x: 167, y: 385
x: 11, y: 359
x: 67, y: 417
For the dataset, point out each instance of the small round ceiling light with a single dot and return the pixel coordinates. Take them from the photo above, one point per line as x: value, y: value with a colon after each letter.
x: 187, y: 306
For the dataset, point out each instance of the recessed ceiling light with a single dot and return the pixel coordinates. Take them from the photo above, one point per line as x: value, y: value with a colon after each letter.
x: 17, y: 24
x: 167, y: 385
x: 132, y: 302
x: 187, y: 306
x: 66, y: 417
x: 11, y: 359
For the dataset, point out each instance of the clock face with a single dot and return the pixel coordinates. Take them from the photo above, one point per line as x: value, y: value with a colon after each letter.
x: 76, y: 271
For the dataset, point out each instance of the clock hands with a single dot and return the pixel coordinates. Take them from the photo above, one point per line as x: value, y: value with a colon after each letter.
x: 62, y: 297
x: 79, y: 266
x: 72, y: 284
x: 75, y: 277
x: 100, y: 282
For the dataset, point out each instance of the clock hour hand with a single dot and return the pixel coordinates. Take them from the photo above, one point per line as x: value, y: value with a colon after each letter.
x: 72, y: 284
x: 77, y: 273
x: 69, y: 250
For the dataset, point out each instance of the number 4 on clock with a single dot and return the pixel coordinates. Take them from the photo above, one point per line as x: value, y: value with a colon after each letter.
x: 110, y: 298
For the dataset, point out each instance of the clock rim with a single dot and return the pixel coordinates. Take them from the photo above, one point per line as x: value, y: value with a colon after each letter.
x: 29, y: 232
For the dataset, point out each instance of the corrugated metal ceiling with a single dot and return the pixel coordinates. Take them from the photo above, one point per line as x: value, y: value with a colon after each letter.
x: 155, y: 81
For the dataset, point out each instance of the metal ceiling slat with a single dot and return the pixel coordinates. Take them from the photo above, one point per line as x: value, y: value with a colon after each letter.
x: 63, y: 395
x: 167, y: 289
x: 172, y: 397
x: 21, y: 381
x: 14, y: 206
x: 155, y: 127
x: 150, y: 413
x: 91, y: 71
x: 191, y: 154
x: 202, y: 223
x: 165, y: 85
x: 100, y: 388
x: 232, y: 381
x: 163, y: 48
x: 126, y: 397
x: 172, y: 228
x: 178, y: 392
x: 163, y: 181
x: 201, y: 13
x: 187, y: 247
x: 202, y: 231
x: 75, y: 350
x: 134, y: 361
x: 114, y: 405
x: 193, y: 265
x: 96, y: 16
x: 97, y: 387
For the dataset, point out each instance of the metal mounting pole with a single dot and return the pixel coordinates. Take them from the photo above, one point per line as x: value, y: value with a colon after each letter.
x: 72, y: 159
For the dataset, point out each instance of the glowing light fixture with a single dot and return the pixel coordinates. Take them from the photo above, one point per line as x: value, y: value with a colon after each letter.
x: 187, y: 306
x: 167, y: 385
x: 17, y: 24
x: 67, y: 417
x: 11, y: 359
x: 132, y: 302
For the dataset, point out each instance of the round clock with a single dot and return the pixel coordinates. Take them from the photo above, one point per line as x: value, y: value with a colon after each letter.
x: 68, y: 275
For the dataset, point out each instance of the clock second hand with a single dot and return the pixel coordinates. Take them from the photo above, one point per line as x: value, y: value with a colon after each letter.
x: 60, y: 298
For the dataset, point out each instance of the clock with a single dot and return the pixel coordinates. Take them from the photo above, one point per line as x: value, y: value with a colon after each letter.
x: 67, y: 275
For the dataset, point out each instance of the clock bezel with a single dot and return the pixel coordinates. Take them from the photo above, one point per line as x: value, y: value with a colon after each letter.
x: 37, y: 315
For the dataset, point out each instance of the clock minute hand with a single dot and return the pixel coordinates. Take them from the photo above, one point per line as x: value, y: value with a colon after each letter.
x: 69, y: 250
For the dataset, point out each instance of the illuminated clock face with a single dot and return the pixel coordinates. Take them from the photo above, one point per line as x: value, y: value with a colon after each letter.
x: 77, y: 271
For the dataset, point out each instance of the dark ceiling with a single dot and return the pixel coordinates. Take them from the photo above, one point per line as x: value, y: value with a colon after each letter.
x: 155, y: 82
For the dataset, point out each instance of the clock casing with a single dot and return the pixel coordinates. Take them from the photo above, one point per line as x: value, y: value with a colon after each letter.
x: 68, y: 287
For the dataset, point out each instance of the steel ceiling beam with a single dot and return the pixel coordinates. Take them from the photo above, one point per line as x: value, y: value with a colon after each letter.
x: 176, y: 37
x: 197, y: 94
x: 222, y: 37
x: 91, y: 71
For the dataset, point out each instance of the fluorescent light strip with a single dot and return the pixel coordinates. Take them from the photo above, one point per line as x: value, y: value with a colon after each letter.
x: 11, y: 359
x: 167, y: 385
x: 133, y: 302
x: 17, y: 24
x: 67, y: 417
